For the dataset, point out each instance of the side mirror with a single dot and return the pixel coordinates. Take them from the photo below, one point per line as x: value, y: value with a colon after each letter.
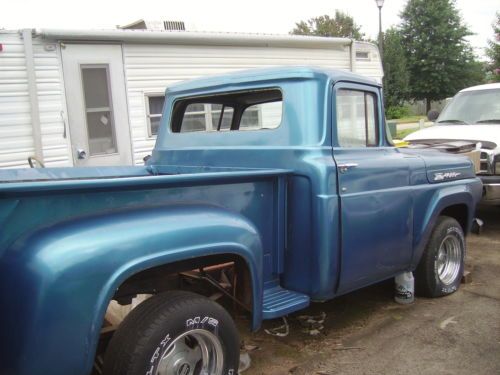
x: 432, y: 115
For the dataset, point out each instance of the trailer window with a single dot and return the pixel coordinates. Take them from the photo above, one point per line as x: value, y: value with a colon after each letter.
x: 356, y: 118
x: 253, y: 110
x: 154, y: 108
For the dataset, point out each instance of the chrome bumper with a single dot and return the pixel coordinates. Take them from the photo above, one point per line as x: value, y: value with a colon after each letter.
x: 491, y: 194
x: 491, y: 189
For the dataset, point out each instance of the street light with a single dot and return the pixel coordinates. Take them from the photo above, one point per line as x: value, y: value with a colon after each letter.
x: 380, y: 4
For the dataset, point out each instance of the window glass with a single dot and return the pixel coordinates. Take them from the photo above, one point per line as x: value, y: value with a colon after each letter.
x: 95, y: 86
x: 473, y: 108
x: 257, y: 110
x: 250, y: 118
x: 261, y: 116
x: 98, y: 110
x: 218, y: 110
x: 195, y: 118
x: 356, y: 118
x: 155, y: 108
x: 371, y: 116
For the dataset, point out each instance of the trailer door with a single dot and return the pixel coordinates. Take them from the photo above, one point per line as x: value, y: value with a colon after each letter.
x: 97, y: 106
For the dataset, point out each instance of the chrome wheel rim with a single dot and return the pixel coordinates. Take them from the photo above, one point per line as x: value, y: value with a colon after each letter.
x: 449, y: 259
x: 196, y: 352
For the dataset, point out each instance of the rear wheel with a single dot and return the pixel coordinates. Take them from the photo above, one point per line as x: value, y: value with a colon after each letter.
x: 174, y: 333
x: 442, y: 265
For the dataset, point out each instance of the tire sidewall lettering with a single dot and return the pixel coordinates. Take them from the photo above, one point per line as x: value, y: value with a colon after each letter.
x: 202, y: 322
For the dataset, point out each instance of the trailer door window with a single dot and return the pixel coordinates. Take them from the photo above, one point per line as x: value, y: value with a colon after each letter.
x: 356, y: 118
x: 98, y: 109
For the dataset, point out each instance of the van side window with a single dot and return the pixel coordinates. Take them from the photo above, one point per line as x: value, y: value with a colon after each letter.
x: 357, y: 122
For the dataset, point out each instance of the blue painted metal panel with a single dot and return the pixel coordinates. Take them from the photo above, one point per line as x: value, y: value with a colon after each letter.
x: 280, y: 302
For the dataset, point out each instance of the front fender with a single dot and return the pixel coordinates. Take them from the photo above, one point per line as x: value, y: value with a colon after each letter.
x: 56, y: 282
x: 435, y: 201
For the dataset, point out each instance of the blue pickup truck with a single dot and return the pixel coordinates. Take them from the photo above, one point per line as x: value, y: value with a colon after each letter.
x: 272, y: 188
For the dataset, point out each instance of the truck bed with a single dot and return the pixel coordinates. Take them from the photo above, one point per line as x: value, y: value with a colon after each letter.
x: 36, y: 198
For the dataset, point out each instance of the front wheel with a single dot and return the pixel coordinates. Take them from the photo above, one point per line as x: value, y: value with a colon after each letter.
x: 174, y: 333
x: 442, y: 265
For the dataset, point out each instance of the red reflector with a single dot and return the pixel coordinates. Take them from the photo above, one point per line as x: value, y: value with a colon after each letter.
x: 1, y: 47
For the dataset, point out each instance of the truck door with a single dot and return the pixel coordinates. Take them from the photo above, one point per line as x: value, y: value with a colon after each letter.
x: 373, y: 188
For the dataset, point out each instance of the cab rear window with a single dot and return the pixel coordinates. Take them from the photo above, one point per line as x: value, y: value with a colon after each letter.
x: 250, y: 110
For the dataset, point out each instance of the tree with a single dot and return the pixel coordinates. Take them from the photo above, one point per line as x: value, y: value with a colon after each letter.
x: 440, y: 60
x: 342, y: 25
x: 493, y: 52
x: 396, y: 75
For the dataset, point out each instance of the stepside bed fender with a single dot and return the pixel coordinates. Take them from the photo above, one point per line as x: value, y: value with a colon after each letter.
x: 441, y: 198
x: 58, y: 280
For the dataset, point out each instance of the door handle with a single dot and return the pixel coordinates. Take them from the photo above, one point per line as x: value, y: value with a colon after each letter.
x: 343, y: 168
x: 81, y: 153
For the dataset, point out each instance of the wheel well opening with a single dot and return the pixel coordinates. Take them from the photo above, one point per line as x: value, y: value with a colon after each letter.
x: 460, y: 213
x: 201, y: 275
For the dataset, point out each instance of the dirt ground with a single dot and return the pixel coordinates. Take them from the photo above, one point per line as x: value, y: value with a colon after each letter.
x: 367, y: 333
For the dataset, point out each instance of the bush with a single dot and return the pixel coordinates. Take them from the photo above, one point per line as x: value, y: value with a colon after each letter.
x: 396, y: 112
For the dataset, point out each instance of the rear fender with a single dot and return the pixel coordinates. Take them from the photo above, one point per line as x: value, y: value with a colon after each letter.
x: 58, y: 280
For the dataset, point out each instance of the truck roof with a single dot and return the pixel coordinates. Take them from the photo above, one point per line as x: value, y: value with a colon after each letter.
x: 488, y: 86
x: 268, y: 74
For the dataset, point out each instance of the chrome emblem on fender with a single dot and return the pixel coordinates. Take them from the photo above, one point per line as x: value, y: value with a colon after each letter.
x: 440, y: 176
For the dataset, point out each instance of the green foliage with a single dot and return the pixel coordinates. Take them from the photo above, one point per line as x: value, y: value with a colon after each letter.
x: 396, y: 112
x: 396, y: 75
x: 493, y: 51
x: 342, y: 25
x: 440, y: 60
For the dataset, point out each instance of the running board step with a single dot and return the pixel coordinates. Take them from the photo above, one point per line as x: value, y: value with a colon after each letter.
x: 279, y: 302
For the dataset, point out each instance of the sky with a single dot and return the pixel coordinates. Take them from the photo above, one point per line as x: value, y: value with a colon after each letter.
x: 256, y: 16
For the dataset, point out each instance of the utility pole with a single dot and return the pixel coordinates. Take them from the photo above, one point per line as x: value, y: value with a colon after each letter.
x: 380, y: 4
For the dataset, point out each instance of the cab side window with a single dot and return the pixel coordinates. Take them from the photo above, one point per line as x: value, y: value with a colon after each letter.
x: 357, y: 122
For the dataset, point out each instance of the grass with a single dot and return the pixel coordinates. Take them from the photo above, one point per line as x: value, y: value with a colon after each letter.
x: 409, y: 119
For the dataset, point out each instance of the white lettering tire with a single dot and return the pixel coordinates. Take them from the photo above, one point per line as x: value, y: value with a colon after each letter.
x: 174, y: 333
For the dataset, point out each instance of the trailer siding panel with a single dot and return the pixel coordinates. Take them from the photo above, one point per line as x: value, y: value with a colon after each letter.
x: 50, y: 86
x: 16, y: 132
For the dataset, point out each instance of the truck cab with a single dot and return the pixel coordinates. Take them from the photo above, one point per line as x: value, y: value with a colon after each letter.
x: 327, y: 127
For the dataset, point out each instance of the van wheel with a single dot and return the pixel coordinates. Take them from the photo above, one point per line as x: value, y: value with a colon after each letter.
x: 174, y: 333
x: 442, y: 265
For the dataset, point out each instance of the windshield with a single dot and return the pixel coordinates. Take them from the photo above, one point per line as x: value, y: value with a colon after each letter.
x: 473, y: 107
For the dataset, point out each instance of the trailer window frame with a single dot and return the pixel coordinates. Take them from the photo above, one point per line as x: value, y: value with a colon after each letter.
x: 149, y: 115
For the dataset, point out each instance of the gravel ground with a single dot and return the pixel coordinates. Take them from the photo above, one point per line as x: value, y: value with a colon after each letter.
x: 367, y: 333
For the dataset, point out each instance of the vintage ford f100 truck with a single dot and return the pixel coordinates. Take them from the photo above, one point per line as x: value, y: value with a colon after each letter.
x: 270, y: 187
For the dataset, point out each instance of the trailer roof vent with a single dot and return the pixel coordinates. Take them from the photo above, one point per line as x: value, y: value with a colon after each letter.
x: 155, y: 25
x: 174, y: 25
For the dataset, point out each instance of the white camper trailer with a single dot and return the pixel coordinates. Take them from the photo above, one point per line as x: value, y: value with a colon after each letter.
x: 86, y: 98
